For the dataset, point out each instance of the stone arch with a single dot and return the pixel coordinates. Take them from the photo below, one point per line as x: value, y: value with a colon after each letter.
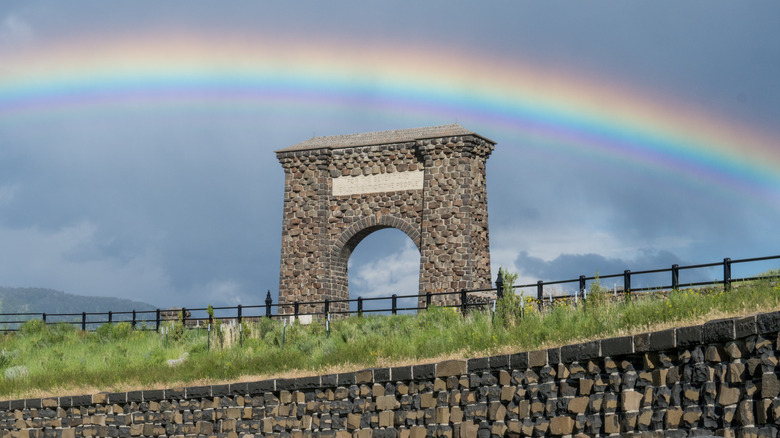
x: 427, y: 182
x: 351, y: 238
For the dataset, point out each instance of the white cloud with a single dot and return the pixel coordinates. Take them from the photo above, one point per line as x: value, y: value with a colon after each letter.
x: 398, y: 273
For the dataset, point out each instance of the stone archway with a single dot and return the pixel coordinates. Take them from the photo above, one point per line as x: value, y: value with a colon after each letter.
x: 427, y: 182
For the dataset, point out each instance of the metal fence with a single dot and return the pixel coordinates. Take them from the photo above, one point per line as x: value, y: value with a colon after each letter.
x: 571, y: 289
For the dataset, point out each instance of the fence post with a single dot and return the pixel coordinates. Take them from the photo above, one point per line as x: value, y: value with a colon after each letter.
x: 110, y: 317
x: 540, y: 294
x: 581, y: 292
x: 627, y: 281
x: 157, y: 320
x: 499, y: 286
x: 184, y: 316
x: 83, y: 321
x: 394, y: 301
x: 727, y: 274
x: 239, y: 314
x: 133, y: 318
x: 428, y: 297
x: 268, y: 302
x: 43, y: 316
x: 675, y: 277
x: 296, y: 308
x: 360, y: 306
x: 327, y: 307
x: 463, y: 301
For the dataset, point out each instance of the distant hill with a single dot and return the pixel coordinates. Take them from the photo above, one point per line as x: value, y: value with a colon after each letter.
x: 37, y: 300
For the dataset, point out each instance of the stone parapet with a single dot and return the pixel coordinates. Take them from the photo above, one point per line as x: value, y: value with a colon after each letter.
x: 718, y: 378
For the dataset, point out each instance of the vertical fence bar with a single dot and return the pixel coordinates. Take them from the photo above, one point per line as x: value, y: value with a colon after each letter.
x: 327, y: 307
x: 394, y: 302
x: 627, y: 281
x: 296, y: 308
x: 464, y: 301
x: 83, y: 321
x: 268, y: 302
x: 727, y: 274
x: 499, y: 286
x: 157, y: 320
x: 43, y: 317
x: 238, y: 316
x: 428, y: 297
x: 133, y: 318
x: 675, y: 277
x: 581, y: 292
x: 110, y: 317
x: 184, y: 316
x: 540, y: 293
x: 360, y: 306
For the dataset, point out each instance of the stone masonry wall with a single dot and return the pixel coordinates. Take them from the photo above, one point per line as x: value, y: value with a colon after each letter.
x: 717, y: 378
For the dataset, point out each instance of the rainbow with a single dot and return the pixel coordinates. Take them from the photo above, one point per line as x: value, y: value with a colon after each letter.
x: 584, y: 115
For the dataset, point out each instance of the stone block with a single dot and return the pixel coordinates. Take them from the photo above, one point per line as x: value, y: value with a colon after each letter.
x: 720, y: 330
x: 642, y: 342
x: 688, y: 336
x: 614, y: 347
x: 381, y: 375
x: 537, y: 359
x: 768, y: 323
x: 663, y: 340
x: 589, y: 350
x: 451, y: 368
x: 611, y: 424
x: 770, y: 386
x: 518, y: 361
x: 744, y: 327
x: 561, y: 425
x: 553, y: 356
x: 673, y: 418
x: 422, y: 372
x: 478, y: 365
x: 364, y: 377
x: 189, y: 392
x: 570, y: 353
x: 630, y: 400
x: 401, y: 373
x: 499, y: 362
x: 577, y: 405
x: 346, y: 379
x: 307, y: 383
x: 260, y: 387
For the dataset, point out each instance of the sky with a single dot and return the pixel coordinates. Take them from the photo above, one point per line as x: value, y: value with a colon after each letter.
x: 137, y: 138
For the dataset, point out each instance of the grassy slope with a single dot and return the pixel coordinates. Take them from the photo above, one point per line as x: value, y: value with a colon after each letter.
x: 61, y: 360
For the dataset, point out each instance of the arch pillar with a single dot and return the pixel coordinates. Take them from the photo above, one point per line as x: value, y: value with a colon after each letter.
x: 427, y: 182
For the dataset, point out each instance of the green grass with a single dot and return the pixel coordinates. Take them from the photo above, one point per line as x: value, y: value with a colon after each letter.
x: 62, y: 360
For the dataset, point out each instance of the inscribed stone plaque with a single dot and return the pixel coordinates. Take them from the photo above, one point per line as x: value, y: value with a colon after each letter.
x: 385, y: 182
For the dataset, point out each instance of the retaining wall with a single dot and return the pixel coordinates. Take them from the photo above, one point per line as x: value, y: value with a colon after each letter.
x: 714, y: 379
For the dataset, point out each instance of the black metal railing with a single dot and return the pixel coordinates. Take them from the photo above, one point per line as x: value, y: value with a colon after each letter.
x: 196, y: 317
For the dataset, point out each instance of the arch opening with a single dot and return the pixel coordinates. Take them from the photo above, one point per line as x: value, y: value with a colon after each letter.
x: 382, y: 261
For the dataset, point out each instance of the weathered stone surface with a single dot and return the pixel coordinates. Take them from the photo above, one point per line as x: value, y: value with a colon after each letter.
x: 663, y: 340
x: 561, y: 425
x: 617, y: 346
x: 687, y: 336
x: 451, y: 368
x: 721, y: 330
